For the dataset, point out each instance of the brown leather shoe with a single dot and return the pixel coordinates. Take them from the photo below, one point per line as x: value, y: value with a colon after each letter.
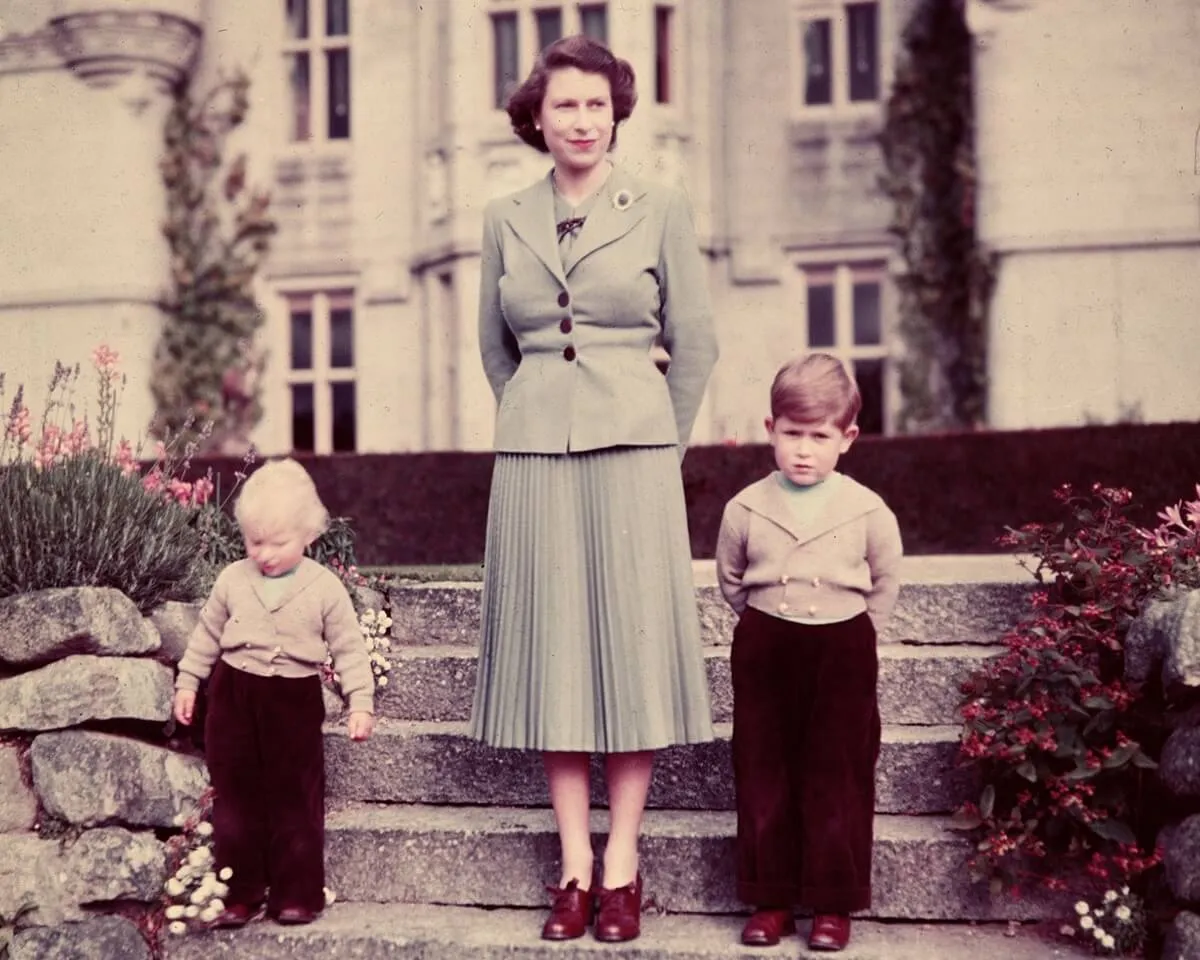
x: 829, y: 932
x: 236, y: 915
x: 570, y: 913
x: 295, y: 916
x: 765, y: 927
x: 619, y: 913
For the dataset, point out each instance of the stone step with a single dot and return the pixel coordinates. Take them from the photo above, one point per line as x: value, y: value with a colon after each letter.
x: 436, y: 763
x: 917, y: 683
x: 504, y: 857
x: 418, y: 932
x: 942, y: 600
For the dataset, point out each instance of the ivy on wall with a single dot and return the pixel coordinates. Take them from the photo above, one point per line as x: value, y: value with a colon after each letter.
x: 207, y: 366
x: 930, y: 176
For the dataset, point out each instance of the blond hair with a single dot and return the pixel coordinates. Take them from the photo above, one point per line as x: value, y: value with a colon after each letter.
x: 813, y: 388
x: 280, y: 495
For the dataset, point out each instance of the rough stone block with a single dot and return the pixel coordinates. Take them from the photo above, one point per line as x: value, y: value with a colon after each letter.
x: 175, y: 622
x: 1183, y: 939
x: 1166, y: 637
x: 1179, y: 766
x: 101, y: 938
x: 82, y: 688
x: 28, y: 879
x: 111, y: 863
x: 47, y: 625
x: 1181, y: 859
x: 96, y: 778
x: 18, y: 804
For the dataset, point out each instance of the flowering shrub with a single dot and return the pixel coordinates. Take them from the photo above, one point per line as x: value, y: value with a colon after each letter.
x: 1063, y: 744
x: 376, y: 628
x: 1115, y: 926
x: 193, y: 895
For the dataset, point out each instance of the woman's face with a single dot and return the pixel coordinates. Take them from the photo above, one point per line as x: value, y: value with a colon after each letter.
x: 577, y: 118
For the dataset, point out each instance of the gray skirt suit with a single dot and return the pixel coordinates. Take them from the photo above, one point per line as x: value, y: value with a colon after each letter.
x: 590, y: 635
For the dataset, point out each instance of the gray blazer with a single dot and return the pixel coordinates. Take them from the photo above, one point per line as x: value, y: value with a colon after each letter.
x: 566, y: 345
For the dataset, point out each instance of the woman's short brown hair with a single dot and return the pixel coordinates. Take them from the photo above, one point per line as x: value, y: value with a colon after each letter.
x: 583, y: 53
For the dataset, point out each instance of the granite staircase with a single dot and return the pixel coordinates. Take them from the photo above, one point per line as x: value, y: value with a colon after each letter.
x: 439, y: 848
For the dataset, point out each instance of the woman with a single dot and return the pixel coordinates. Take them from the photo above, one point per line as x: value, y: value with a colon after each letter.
x: 590, y: 634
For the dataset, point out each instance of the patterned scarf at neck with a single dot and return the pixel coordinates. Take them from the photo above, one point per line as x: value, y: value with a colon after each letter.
x: 570, y: 226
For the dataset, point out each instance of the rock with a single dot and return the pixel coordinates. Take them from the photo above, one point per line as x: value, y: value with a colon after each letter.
x: 1181, y: 859
x: 174, y: 622
x: 101, y: 938
x: 1179, y: 766
x: 28, y: 880
x: 112, y: 863
x: 47, y: 625
x: 18, y: 805
x: 96, y: 778
x: 1183, y: 938
x: 335, y: 706
x: 1166, y: 637
x: 85, y: 687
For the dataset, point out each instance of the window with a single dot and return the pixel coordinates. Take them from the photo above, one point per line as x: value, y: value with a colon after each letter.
x: 321, y: 372
x: 317, y: 57
x: 839, y: 53
x: 523, y: 28
x: 663, y: 17
x: 845, y: 316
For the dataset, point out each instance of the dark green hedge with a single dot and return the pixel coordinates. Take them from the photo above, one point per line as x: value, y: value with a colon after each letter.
x: 953, y: 493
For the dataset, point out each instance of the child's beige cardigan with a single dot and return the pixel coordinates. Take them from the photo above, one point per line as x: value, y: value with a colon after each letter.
x: 846, y: 561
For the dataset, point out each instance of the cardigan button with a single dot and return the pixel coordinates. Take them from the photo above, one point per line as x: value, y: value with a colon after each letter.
x: 569, y: 353
x: 816, y: 581
x: 563, y: 299
x: 812, y: 611
x: 784, y: 579
x: 783, y: 608
x: 565, y: 325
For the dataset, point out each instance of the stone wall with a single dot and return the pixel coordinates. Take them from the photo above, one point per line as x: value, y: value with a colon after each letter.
x: 89, y: 781
x: 1165, y: 641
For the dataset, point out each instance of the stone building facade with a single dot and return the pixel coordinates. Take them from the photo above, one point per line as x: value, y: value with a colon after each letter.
x: 375, y: 124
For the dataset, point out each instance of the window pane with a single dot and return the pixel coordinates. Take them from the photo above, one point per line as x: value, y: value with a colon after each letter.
x: 341, y: 337
x: 593, y: 21
x: 337, y: 18
x: 344, y: 417
x: 869, y: 374
x: 818, y: 77
x: 820, y: 316
x: 301, y: 128
x: 303, y: 422
x: 662, y: 54
x: 868, y: 328
x: 504, y: 37
x: 302, y: 328
x: 863, y: 40
x: 549, y: 26
x: 339, y: 94
x: 296, y: 12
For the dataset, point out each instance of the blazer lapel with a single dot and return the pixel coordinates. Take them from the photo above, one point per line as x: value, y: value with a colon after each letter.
x: 616, y: 211
x: 532, y: 220
x: 770, y: 501
x: 305, y: 574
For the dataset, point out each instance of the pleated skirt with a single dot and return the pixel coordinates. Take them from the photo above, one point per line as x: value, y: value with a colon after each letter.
x: 590, y: 637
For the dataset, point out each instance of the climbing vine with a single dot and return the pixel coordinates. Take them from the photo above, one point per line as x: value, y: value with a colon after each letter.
x: 207, y: 365
x: 930, y: 176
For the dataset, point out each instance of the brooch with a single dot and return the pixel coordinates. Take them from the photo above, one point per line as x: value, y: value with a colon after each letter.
x: 622, y: 200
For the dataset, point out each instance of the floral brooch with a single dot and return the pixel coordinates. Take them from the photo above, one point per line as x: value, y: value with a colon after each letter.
x: 622, y: 200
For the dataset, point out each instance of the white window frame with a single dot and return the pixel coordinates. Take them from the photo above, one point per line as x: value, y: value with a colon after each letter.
x: 844, y: 272
x: 317, y: 44
x: 322, y: 374
x: 840, y: 103
x: 527, y: 39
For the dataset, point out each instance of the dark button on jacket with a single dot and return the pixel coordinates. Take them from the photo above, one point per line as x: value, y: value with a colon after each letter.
x: 569, y: 353
x: 563, y: 299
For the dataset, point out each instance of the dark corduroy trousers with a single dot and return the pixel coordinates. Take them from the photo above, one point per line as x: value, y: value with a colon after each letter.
x: 266, y: 758
x: 805, y: 742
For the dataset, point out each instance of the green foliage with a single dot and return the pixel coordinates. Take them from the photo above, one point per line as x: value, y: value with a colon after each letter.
x: 206, y: 365
x: 928, y: 148
x: 86, y: 522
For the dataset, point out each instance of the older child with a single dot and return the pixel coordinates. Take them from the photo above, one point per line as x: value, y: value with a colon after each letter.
x: 264, y: 634
x: 808, y: 558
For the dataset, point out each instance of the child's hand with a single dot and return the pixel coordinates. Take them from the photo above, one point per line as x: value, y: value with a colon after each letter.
x: 361, y: 724
x: 185, y: 706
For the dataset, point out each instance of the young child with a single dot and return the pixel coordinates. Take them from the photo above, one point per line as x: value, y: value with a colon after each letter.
x: 809, y: 560
x: 263, y: 634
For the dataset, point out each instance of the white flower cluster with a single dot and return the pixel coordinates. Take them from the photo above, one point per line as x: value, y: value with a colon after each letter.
x: 195, y: 893
x: 1113, y: 926
x: 376, y: 630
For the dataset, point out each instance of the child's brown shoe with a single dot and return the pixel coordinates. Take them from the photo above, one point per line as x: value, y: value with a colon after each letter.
x: 236, y: 915
x: 765, y: 927
x: 829, y: 932
x: 295, y: 916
